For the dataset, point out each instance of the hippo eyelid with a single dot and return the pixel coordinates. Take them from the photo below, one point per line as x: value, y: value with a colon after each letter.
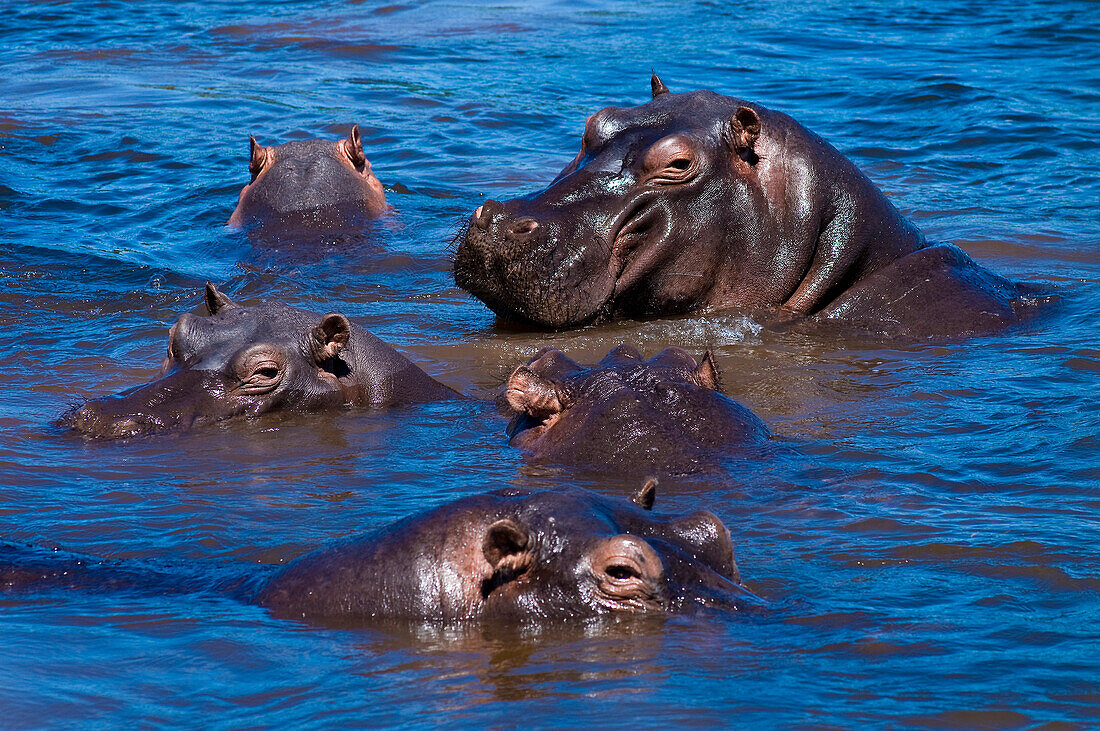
x: 259, y: 367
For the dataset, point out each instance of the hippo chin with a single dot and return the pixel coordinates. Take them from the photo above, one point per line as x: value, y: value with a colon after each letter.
x: 511, y: 555
x: 240, y: 361
x: 308, y: 188
x: 660, y: 415
x: 702, y: 201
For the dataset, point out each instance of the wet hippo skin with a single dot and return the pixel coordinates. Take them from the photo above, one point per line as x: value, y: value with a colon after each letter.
x: 701, y: 201
x: 506, y: 555
x: 627, y: 413
x: 228, y: 360
x: 308, y: 188
x: 513, y: 553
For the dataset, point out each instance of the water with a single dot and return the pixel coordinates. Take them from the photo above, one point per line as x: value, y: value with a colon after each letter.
x: 925, y: 536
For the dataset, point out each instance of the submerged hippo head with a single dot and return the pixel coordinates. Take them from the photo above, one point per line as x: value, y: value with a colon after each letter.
x: 244, y: 361
x: 690, y: 200
x: 305, y: 186
x: 663, y: 414
x: 563, y: 553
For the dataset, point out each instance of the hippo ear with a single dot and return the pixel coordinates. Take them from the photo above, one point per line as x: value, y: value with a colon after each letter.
x: 744, y: 129
x: 215, y: 300
x: 704, y: 531
x: 505, y: 546
x: 353, y: 146
x: 646, y: 495
x: 258, y: 157
x: 706, y: 373
x: 528, y: 392
x: 330, y: 337
x: 657, y: 86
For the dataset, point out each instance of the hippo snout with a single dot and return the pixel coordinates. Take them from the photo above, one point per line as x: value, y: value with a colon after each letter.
x: 493, y: 219
x: 94, y: 419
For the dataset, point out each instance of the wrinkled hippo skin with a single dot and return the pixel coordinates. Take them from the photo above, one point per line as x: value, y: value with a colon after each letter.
x: 562, y: 553
x: 510, y: 554
x: 660, y: 415
x: 701, y: 201
x: 308, y: 187
x: 227, y: 360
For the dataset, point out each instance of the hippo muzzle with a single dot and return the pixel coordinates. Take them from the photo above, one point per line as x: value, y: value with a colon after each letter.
x: 179, y: 400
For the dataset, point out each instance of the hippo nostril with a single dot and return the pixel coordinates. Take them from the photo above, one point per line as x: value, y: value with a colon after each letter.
x: 482, y: 217
x: 523, y: 226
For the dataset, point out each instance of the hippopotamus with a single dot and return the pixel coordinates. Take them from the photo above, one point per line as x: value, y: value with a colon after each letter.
x: 228, y: 360
x: 512, y: 554
x: 661, y: 415
x: 699, y: 201
x: 309, y: 187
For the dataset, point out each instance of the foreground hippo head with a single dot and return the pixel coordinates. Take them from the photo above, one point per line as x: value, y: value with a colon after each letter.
x: 309, y: 186
x: 563, y: 553
x: 244, y: 361
x: 701, y: 200
x: 663, y: 414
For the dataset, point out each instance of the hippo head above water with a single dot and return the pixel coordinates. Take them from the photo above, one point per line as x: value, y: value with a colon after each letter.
x: 660, y: 415
x: 246, y: 360
x: 309, y: 186
x: 699, y: 200
x: 513, y: 553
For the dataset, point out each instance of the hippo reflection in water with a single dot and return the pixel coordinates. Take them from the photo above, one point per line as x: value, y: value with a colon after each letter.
x: 701, y: 201
x: 660, y: 415
x: 241, y: 361
x: 511, y: 554
x: 309, y: 188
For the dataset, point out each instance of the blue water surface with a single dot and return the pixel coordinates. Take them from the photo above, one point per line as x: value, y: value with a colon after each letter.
x: 925, y: 535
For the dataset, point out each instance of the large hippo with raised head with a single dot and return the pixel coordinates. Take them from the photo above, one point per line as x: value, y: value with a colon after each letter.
x: 228, y: 360
x: 701, y: 201
x: 308, y: 188
x: 664, y: 414
x: 506, y: 555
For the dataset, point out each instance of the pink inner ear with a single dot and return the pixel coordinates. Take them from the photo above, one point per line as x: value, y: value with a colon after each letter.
x: 353, y: 147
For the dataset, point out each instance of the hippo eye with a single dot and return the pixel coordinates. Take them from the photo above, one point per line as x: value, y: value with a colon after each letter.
x: 620, y: 572
x: 676, y: 170
x: 260, y: 369
x: 671, y: 160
